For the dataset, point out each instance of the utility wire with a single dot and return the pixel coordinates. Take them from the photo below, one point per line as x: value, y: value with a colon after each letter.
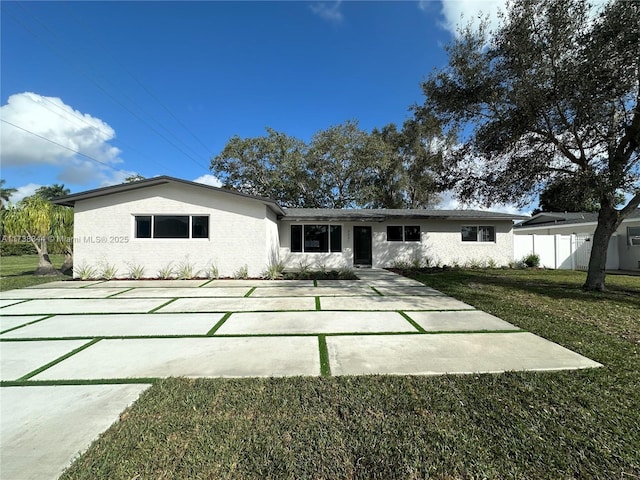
x: 143, y: 86
x: 62, y: 146
x: 101, y: 88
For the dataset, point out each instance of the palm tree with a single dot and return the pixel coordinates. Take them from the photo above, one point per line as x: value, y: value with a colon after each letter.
x: 5, y: 194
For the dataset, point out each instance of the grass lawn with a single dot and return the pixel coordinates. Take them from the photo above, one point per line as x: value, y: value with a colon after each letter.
x: 575, y: 424
x: 16, y: 271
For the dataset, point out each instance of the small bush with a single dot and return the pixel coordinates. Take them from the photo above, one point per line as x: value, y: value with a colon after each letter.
x: 211, y: 270
x: 242, y: 273
x: 186, y: 270
x: 274, y: 271
x: 85, y: 272
x: 303, y: 267
x: 135, y: 271
x: 532, y: 260
x: 10, y: 249
x: 107, y: 271
x: 166, y: 272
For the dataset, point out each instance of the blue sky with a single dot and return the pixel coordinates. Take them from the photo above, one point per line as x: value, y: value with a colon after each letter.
x: 158, y: 88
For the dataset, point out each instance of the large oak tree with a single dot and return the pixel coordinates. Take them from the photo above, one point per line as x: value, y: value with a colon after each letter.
x: 551, y: 94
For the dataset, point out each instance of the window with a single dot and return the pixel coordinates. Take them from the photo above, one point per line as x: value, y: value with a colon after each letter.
x: 200, y: 226
x: 412, y: 234
x: 171, y: 226
x: 316, y: 238
x: 143, y: 227
x: 633, y: 234
x: 408, y: 233
x: 483, y: 233
x: 394, y: 234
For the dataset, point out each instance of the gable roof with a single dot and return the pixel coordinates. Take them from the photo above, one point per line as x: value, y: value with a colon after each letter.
x: 381, y: 214
x: 70, y: 200
x: 559, y: 219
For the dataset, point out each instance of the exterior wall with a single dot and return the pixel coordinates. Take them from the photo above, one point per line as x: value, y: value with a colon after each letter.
x: 441, y: 243
x: 104, y: 231
x: 620, y: 255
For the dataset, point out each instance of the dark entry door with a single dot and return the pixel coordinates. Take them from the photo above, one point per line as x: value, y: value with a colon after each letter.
x: 362, y: 246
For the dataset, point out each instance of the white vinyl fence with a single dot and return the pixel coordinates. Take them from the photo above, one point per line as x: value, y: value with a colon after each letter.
x: 567, y: 252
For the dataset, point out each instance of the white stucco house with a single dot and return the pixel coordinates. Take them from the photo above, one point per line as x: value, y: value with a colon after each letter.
x: 563, y: 240
x: 166, y: 221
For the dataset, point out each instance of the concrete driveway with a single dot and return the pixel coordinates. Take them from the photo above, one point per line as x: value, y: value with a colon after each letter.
x: 73, y: 355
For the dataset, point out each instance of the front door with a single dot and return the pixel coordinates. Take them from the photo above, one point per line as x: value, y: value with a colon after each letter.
x: 362, y: 246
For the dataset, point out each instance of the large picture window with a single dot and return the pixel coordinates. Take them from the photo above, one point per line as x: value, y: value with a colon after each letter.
x: 316, y: 238
x: 171, y: 226
x: 482, y: 233
x: 398, y: 233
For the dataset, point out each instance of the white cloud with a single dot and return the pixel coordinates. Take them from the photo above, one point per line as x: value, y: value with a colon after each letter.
x: 459, y: 13
x: 51, y: 118
x: 328, y: 11
x: 23, y: 192
x: 209, y: 180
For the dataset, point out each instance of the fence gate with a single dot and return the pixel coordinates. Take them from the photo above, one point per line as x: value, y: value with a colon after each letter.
x: 582, y: 251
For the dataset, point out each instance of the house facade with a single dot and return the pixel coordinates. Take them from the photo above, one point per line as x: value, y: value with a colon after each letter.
x: 563, y: 240
x: 164, y: 223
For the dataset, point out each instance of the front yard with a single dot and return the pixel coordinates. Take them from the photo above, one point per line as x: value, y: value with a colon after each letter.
x: 575, y: 424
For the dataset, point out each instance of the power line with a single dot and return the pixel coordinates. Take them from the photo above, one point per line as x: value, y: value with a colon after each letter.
x: 100, y: 87
x: 60, y: 145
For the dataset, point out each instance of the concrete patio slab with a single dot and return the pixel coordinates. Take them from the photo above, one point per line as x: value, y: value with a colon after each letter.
x: 230, y: 282
x: 408, y: 290
x: 400, y: 282
x: 6, y: 303
x: 7, y: 322
x: 19, y: 358
x: 449, y: 353
x: 62, y: 293
x: 38, y: 445
x: 68, y: 284
x: 185, y: 292
x: 98, y: 305
x: 263, y: 323
x: 151, y: 283
x: 459, y: 321
x: 191, y: 357
x: 342, y: 283
x: 119, y: 325
x: 392, y: 303
x: 325, y: 291
x: 248, y: 304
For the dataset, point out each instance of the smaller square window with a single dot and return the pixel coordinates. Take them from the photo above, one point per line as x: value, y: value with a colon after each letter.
x: 143, y: 226
x: 469, y: 234
x: 200, y: 226
x: 412, y: 233
x: 394, y: 233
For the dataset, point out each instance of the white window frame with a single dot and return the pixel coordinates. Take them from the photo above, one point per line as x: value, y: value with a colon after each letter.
x: 633, y: 240
x: 404, y: 236
x: 153, y: 217
x: 478, y: 240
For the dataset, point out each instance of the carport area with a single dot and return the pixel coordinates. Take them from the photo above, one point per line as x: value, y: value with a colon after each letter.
x: 75, y: 354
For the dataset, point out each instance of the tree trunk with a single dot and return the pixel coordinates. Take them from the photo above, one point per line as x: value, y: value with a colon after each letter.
x: 45, y: 267
x: 608, y: 222
x: 67, y: 266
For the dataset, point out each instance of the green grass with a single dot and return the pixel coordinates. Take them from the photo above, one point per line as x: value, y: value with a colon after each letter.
x: 551, y: 425
x: 17, y: 271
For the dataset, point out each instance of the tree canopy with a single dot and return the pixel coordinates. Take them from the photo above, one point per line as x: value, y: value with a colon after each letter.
x: 5, y: 194
x: 342, y: 166
x: 552, y: 94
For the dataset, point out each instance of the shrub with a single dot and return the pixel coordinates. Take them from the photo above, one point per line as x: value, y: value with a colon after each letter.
x: 85, y: 271
x: 274, y: 271
x: 242, y: 273
x: 166, y: 272
x: 135, y: 271
x: 303, y: 267
x: 211, y: 270
x: 10, y: 249
x: 186, y: 270
x: 107, y: 271
x: 532, y: 260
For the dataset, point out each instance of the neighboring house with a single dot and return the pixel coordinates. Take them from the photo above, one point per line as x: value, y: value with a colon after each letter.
x: 563, y: 240
x: 166, y: 221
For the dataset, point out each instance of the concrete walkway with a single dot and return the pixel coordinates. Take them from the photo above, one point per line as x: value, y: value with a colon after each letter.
x: 70, y: 350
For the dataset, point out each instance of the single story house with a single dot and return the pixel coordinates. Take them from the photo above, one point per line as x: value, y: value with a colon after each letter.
x: 563, y: 240
x: 164, y: 221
